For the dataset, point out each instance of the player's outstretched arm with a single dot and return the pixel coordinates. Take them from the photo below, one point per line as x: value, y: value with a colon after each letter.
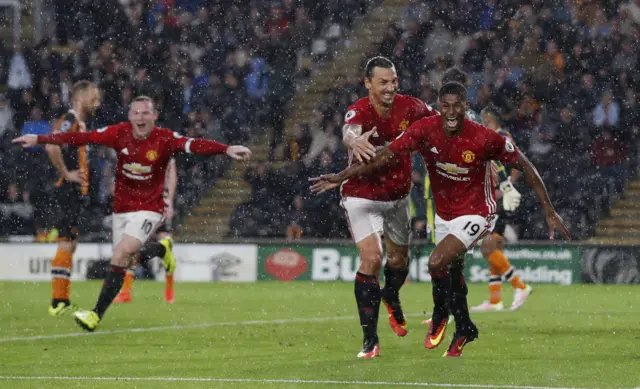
x: 330, y: 181
x: 26, y: 140
x: 408, y: 141
x: 105, y: 136
x: 533, y: 179
x: 209, y: 147
x: 172, y: 184
x: 239, y: 153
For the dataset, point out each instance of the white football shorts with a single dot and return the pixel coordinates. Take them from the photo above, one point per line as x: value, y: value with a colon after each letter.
x: 388, y: 218
x: 468, y: 229
x: 140, y: 225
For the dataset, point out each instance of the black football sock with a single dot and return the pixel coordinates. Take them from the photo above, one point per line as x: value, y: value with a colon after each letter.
x: 458, y: 303
x: 151, y: 250
x: 440, y: 290
x: 367, y: 291
x: 55, y: 302
x: 393, y: 281
x: 112, y: 284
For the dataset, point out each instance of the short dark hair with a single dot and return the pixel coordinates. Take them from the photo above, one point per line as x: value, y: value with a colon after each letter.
x: 81, y: 86
x: 454, y: 74
x: 453, y: 88
x: 377, y: 62
x: 144, y: 98
x: 492, y: 110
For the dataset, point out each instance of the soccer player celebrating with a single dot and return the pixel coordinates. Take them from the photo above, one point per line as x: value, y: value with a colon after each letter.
x: 458, y: 154
x: 493, y: 244
x: 144, y: 151
x: 160, y: 244
x: 377, y: 204
x: 510, y: 201
x: 72, y: 190
x: 510, y: 196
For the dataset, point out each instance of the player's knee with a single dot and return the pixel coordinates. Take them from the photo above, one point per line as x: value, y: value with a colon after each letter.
x: 492, y: 243
x: 120, y: 258
x: 125, y: 252
x: 398, y: 260
x: 371, y: 257
x: 437, y: 264
x: 370, y: 261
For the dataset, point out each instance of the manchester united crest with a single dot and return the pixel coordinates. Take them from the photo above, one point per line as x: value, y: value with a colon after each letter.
x: 152, y: 155
x: 403, y: 125
x: 468, y: 156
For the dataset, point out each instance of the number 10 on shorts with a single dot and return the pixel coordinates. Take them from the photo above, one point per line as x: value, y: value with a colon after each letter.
x: 147, y: 226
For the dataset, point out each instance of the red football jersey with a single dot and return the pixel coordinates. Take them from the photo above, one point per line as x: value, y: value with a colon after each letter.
x: 459, y: 167
x: 142, y: 163
x: 392, y: 182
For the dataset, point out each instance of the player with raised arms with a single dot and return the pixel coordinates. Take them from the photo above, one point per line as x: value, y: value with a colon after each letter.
x: 491, y: 244
x: 144, y: 151
x: 458, y: 154
x: 377, y: 204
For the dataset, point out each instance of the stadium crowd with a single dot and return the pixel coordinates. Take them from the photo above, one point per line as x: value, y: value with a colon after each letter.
x: 563, y: 74
x: 216, y: 70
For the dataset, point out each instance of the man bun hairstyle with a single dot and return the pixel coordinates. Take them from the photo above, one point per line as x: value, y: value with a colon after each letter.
x: 377, y: 62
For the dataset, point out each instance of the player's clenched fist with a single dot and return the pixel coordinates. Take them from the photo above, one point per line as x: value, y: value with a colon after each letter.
x: 239, y: 153
x: 26, y: 140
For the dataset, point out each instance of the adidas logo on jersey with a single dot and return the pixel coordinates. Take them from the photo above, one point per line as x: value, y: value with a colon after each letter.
x: 125, y: 151
x: 434, y: 150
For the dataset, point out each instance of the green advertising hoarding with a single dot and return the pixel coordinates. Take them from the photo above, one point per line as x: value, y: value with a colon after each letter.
x: 536, y: 264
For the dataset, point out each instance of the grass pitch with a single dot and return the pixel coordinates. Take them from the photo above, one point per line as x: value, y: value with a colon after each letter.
x: 306, y: 335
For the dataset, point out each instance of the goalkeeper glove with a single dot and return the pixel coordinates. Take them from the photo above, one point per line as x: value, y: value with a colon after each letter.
x: 510, y: 196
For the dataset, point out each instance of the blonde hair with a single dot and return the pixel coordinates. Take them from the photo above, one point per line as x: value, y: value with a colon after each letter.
x: 81, y: 86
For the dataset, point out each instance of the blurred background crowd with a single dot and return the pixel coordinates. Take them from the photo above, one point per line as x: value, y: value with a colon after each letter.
x: 564, y: 75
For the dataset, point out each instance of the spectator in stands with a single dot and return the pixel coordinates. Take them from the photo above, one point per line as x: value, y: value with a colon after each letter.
x: 20, y: 76
x: 545, y: 67
x: 630, y: 16
x: 609, y: 155
x: 324, y: 138
x: 607, y: 112
x: 231, y: 68
x: 36, y: 124
x: 16, y: 212
x: 299, y: 145
x: 7, y: 127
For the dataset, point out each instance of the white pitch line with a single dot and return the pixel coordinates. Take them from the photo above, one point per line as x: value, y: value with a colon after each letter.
x: 184, y: 327
x: 281, y: 381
